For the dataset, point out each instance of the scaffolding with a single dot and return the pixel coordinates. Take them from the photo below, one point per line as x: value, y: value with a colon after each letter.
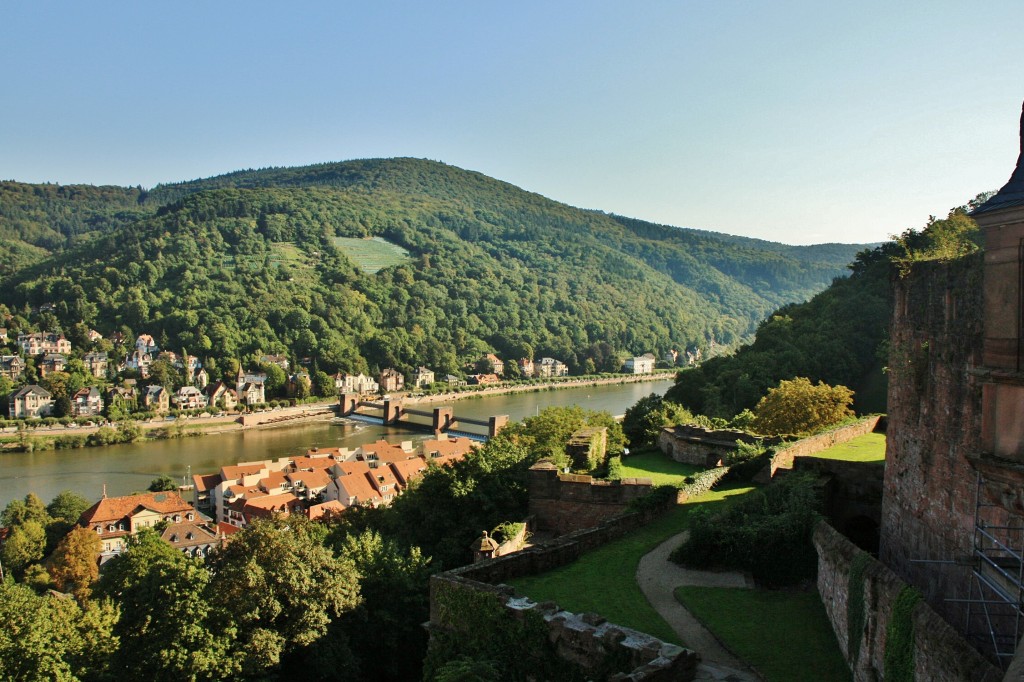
x: 994, y: 616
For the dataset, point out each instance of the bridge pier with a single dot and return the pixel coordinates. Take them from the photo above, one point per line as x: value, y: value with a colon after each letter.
x: 347, y: 404
x: 495, y: 424
x: 444, y: 419
x: 392, y: 411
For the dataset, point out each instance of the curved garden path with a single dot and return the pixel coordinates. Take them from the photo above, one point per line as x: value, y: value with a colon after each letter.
x: 658, y: 577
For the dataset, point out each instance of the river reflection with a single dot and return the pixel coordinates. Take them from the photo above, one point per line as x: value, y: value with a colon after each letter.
x: 127, y: 468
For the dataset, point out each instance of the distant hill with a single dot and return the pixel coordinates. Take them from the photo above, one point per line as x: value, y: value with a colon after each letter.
x: 245, y: 262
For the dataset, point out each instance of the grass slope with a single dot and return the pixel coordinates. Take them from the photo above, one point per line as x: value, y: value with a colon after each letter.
x: 785, y: 635
x: 604, y: 581
x: 867, y: 448
x: 371, y: 255
x: 657, y: 466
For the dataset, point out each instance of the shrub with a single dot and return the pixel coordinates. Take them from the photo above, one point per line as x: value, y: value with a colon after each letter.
x: 768, y: 533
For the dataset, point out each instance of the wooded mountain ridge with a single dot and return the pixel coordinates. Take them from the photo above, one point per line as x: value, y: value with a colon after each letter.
x: 247, y: 262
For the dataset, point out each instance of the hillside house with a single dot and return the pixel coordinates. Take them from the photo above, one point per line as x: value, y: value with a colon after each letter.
x: 279, y: 360
x: 94, y: 336
x: 52, y: 362
x: 455, y: 381
x: 549, y: 367
x: 251, y: 387
x: 124, y: 398
x: 156, y: 399
x: 526, y: 367
x: 299, y: 383
x: 423, y: 377
x: 145, y: 344
x: 30, y: 402
x: 97, y: 364
x: 189, y: 398
x: 12, y: 367
x: 355, y: 383
x: 114, y: 519
x: 497, y: 364
x: 391, y: 380
x: 484, y: 379
x: 643, y: 364
x: 219, y: 395
x: 43, y: 342
x: 87, y: 402
x: 138, y: 361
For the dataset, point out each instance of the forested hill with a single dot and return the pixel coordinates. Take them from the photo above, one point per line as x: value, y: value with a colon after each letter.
x: 251, y: 261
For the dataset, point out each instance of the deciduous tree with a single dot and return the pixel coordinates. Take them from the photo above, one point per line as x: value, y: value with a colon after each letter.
x: 800, y: 407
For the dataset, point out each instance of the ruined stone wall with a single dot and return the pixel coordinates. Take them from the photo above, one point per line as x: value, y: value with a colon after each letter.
x: 785, y: 454
x: 934, y: 424
x: 940, y: 654
x: 563, y: 503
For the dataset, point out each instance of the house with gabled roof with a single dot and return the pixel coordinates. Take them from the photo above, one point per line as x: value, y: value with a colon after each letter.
x: 391, y: 380
x: 550, y: 367
x: 279, y: 360
x: 423, y: 377
x: 193, y: 539
x: 497, y: 364
x: 144, y: 343
x: 12, y: 366
x: 642, y: 364
x: 219, y: 395
x: 96, y: 363
x: 30, y: 402
x: 251, y: 387
x: 43, y: 342
x: 114, y: 519
x: 156, y: 399
x: 52, y: 362
x: 87, y: 402
x: 189, y: 398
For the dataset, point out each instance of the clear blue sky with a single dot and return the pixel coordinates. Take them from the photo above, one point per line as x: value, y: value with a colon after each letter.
x: 790, y: 120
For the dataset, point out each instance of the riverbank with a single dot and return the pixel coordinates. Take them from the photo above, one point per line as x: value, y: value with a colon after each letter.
x: 64, y: 438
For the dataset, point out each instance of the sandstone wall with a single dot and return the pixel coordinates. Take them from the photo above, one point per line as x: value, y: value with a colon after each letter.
x: 940, y: 654
x: 785, y: 454
x: 563, y: 503
x: 934, y: 424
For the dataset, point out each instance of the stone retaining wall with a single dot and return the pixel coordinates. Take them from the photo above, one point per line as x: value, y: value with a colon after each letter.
x: 940, y: 654
x: 785, y: 454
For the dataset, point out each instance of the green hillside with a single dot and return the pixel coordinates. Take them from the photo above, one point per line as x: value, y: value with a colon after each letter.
x: 250, y: 262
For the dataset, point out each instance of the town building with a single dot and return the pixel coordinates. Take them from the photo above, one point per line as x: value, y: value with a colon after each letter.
x: 549, y: 367
x: 391, y: 380
x: 156, y: 399
x: 279, y: 360
x: 497, y: 364
x: 115, y: 519
x: 251, y: 387
x: 87, y: 402
x: 30, y: 402
x: 96, y: 363
x: 145, y: 344
x: 355, y: 383
x: 52, y: 362
x: 189, y: 398
x: 526, y: 367
x: 643, y: 364
x: 423, y: 377
x: 43, y: 342
x: 12, y: 366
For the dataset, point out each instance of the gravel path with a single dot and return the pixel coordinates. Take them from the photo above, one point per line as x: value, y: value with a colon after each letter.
x: 658, y: 577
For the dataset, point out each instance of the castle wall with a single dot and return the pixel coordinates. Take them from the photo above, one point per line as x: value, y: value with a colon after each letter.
x: 934, y: 411
x: 940, y: 654
x: 563, y: 503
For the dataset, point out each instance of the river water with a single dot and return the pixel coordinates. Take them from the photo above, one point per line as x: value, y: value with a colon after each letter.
x: 127, y: 468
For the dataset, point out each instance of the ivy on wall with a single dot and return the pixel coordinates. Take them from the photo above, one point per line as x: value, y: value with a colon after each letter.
x: 899, y: 637
x: 855, y: 616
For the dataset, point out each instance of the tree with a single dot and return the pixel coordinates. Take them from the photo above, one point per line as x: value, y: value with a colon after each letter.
x: 51, y: 638
x: 67, y: 506
x: 25, y: 544
x: 643, y: 421
x: 168, y: 628
x: 800, y: 407
x: 395, y: 603
x: 73, y: 565
x: 282, y: 586
x: 162, y: 483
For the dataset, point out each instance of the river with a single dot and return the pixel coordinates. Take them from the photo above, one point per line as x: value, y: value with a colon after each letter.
x: 127, y: 468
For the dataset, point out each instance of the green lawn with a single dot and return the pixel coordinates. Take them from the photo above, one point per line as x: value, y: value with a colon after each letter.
x: 785, y: 635
x: 866, y: 448
x: 604, y: 580
x: 371, y: 255
x: 657, y: 466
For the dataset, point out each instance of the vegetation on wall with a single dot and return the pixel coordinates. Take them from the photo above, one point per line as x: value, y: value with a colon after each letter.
x: 899, y: 637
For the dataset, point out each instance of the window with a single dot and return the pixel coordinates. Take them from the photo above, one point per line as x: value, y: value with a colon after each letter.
x: 190, y: 516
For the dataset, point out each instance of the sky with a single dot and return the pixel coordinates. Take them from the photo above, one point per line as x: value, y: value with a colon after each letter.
x: 794, y: 121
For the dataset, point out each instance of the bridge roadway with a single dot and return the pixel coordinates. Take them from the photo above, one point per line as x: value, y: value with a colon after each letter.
x: 393, y: 412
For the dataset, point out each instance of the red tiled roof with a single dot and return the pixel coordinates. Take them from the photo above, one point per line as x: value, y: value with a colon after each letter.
x: 235, y: 472
x: 447, y: 449
x: 116, y: 508
x: 204, y: 482
x: 318, y: 511
x: 358, y: 487
x: 408, y: 469
x: 386, y: 452
x: 311, y: 479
